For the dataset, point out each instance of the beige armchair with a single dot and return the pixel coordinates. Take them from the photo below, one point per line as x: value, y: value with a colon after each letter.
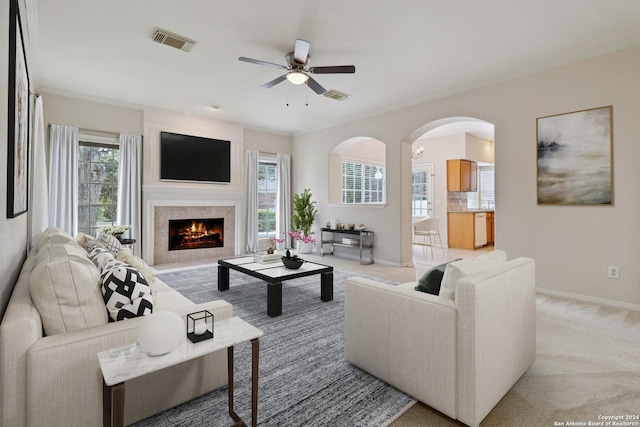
x: 460, y: 356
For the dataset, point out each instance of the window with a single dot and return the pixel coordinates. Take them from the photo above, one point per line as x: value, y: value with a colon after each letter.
x: 267, y: 191
x: 362, y: 183
x: 419, y: 193
x: 97, y: 186
x: 485, y: 197
x: 487, y: 186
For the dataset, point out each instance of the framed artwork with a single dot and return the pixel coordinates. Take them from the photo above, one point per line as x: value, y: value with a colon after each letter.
x: 575, y: 162
x: 18, y: 119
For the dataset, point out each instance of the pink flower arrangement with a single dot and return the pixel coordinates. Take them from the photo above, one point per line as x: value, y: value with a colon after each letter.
x: 297, y: 235
x: 275, y: 240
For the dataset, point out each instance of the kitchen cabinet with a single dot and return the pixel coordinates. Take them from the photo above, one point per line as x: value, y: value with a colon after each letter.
x: 491, y: 228
x: 461, y: 230
x: 462, y: 175
x: 466, y: 230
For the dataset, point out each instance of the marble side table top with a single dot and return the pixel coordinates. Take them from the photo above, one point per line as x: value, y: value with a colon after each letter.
x: 129, y: 361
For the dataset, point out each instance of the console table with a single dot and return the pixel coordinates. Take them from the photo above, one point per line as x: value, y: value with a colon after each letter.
x: 124, y: 363
x: 361, y: 239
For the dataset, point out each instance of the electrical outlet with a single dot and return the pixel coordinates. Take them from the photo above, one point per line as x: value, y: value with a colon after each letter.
x: 613, y: 272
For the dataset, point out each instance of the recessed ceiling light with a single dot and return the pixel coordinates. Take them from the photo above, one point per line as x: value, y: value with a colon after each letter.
x: 214, y: 107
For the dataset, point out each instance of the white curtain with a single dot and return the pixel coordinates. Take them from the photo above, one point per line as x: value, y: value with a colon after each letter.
x: 39, y: 203
x: 130, y: 186
x: 283, y: 197
x: 63, y: 178
x: 251, y: 192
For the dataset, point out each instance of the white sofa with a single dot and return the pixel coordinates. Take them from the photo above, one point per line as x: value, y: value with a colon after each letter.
x: 56, y: 380
x: 460, y: 353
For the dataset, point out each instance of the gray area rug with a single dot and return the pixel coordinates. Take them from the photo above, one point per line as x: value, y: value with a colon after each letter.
x: 304, y: 378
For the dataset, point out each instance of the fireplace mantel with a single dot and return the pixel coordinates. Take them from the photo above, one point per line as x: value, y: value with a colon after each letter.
x: 181, y: 202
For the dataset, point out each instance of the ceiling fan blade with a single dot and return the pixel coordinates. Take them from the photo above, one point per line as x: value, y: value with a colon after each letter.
x: 274, y: 82
x: 315, y: 86
x: 257, y: 61
x: 301, y: 51
x: 336, y: 69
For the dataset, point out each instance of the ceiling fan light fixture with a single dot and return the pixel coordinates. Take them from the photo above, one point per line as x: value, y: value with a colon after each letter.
x: 297, y: 77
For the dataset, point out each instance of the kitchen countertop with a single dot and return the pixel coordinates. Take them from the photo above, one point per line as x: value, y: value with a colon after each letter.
x: 470, y: 210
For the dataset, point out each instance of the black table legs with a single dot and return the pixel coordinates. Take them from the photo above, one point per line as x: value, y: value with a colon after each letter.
x: 223, y: 278
x: 326, y: 286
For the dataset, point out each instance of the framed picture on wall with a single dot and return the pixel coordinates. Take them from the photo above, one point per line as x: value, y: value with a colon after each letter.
x: 18, y: 119
x: 575, y: 162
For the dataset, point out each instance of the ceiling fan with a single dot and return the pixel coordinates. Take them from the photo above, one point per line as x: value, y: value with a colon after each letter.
x: 298, y: 69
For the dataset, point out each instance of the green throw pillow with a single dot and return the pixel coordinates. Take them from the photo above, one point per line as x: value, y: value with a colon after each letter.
x: 430, y: 282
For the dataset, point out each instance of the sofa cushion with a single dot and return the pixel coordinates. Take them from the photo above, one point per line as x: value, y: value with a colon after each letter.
x: 64, y: 287
x: 459, y: 269
x: 89, y: 243
x: 110, y: 242
x: 54, y: 236
x: 125, y: 290
x: 138, y: 263
x: 431, y: 280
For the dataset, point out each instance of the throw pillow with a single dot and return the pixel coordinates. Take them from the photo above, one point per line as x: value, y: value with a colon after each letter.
x: 142, y: 267
x: 88, y: 243
x: 110, y: 242
x: 431, y: 280
x: 457, y: 270
x: 125, y: 291
x: 100, y: 257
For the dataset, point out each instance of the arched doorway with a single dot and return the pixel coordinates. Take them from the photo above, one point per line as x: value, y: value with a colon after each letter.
x: 431, y: 146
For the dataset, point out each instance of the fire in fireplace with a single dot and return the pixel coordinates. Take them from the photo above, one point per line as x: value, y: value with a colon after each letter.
x: 196, y: 233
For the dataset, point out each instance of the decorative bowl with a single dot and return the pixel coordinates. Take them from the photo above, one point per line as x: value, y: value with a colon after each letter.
x: 292, y: 263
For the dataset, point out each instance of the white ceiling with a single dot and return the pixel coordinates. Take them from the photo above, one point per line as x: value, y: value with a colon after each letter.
x: 404, y: 51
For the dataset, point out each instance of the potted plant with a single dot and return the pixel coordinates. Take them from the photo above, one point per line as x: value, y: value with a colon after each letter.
x: 304, y: 213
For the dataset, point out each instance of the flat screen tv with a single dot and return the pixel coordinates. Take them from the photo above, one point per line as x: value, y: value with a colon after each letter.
x: 194, y: 158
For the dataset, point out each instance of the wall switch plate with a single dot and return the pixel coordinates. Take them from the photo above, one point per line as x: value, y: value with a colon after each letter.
x: 613, y: 272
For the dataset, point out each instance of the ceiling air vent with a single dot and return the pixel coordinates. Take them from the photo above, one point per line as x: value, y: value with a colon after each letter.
x: 334, y: 94
x: 173, y: 40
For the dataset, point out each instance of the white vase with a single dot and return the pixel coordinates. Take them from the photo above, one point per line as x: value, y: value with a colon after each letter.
x: 304, y: 248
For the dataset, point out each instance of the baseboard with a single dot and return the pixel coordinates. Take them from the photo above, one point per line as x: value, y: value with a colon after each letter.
x: 592, y: 300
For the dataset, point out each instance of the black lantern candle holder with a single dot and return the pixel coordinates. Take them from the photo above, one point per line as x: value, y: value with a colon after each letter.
x: 199, y: 326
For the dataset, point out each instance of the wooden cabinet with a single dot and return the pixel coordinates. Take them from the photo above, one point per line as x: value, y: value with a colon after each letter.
x: 462, y: 175
x: 461, y: 230
x: 491, y: 239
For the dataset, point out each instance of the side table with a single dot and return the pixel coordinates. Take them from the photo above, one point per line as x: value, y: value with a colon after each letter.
x: 129, y: 242
x: 127, y: 362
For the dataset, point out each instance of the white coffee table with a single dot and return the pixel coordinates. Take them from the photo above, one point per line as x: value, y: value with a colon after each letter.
x: 124, y: 363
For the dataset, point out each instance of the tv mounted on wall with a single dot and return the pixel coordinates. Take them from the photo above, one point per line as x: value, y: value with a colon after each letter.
x: 194, y: 158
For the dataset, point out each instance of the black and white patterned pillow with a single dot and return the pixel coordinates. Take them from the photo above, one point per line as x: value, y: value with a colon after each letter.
x: 125, y: 291
x: 100, y: 256
x: 110, y: 242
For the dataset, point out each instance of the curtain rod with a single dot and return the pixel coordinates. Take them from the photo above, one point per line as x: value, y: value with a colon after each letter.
x: 93, y: 130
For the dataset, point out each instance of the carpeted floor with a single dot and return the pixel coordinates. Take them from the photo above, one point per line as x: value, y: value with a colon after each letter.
x: 304, y: 379
x: 587, y: 366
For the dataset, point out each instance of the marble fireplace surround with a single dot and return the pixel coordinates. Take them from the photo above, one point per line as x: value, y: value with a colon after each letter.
x: 161, y: 210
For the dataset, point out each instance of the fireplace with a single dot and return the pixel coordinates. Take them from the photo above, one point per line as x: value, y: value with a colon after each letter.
x: 196, y: 233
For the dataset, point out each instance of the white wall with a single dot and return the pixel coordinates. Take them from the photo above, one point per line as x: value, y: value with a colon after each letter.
x: 572, y: 246
x: 91, y: 115
x: 13, y: 231
x: 479, y: 150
